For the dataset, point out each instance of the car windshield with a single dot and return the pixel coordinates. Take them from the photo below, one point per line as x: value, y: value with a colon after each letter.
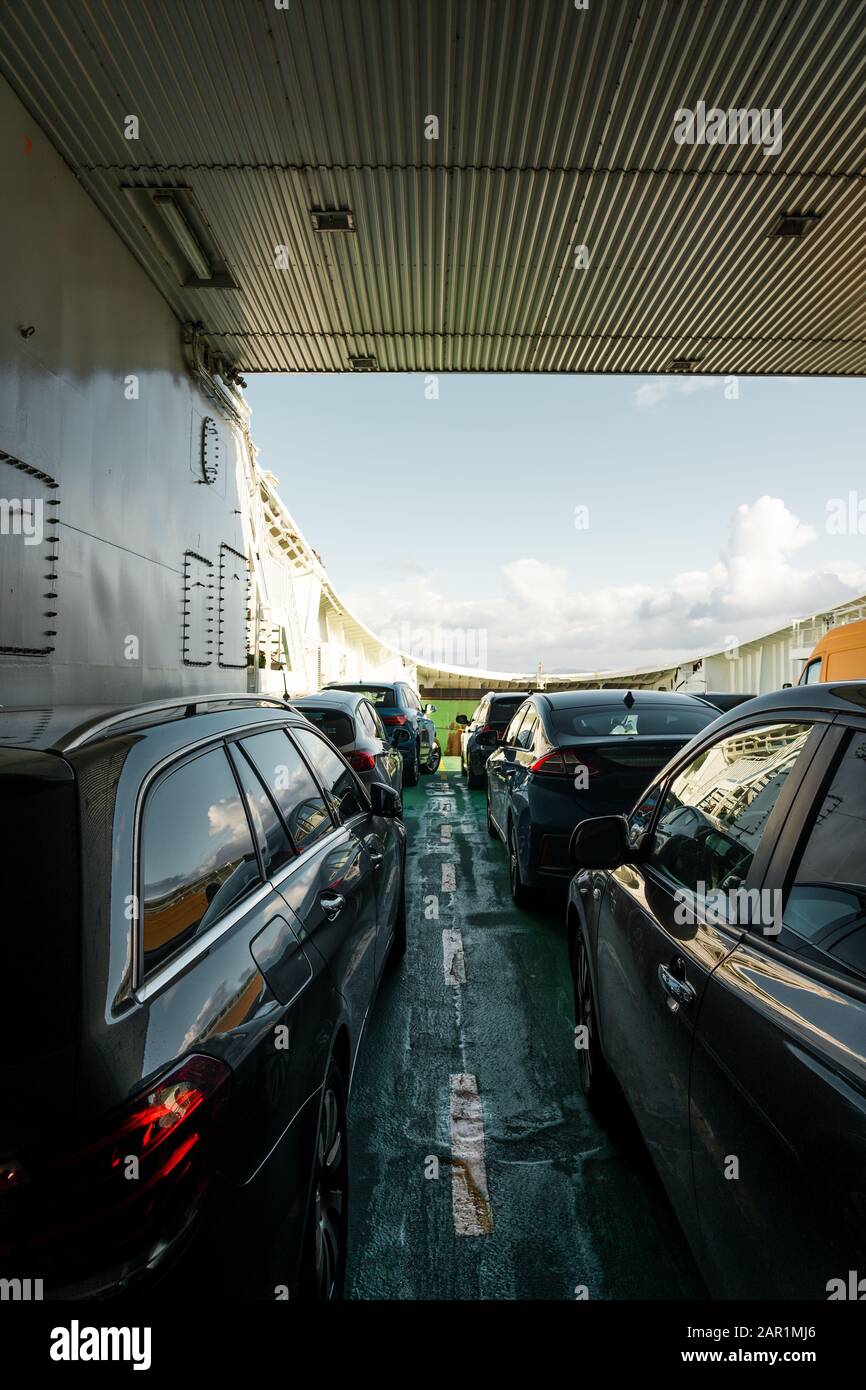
x: 576, y: 721
x: 336, y: 725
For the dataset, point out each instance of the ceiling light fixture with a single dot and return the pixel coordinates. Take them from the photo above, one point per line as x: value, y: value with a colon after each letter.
x: 333, y: 219
x: 794, y: 224
x: 180, y: 229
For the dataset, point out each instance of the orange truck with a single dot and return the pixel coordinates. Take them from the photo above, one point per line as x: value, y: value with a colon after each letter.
x: 839, y: 656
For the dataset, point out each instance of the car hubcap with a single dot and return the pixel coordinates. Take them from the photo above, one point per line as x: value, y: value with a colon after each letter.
x: 329, y: 1194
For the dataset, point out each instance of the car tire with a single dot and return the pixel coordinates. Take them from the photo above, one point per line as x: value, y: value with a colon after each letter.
x: 399, y: 940
x: 434, y: 758
x: 410, y: 769
x: 474, y: 780
x: 462, y: 764
x: 325, y: 1242
x: 521, y: 893
x: 596, y: 1080
x: 491, y: 828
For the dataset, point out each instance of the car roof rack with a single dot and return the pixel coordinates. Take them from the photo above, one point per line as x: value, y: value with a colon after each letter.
x: 196, y: 705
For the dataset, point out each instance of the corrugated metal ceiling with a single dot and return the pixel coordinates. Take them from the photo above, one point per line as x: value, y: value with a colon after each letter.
x: 555, y: 129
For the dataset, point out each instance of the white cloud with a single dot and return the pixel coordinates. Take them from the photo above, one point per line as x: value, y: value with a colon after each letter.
x: 650, y: 393
x: 753, y: 586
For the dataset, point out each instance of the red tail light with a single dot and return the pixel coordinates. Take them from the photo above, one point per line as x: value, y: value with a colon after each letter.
x: 128, y: 1192
x: 362, y: 762
x: 393, y: 718
x: 565, y: 764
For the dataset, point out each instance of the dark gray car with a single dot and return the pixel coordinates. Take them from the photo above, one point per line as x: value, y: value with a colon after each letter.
x: 484, y: 730
x: 718, y: 944
x: 203, y: 904
x: 348, y: 719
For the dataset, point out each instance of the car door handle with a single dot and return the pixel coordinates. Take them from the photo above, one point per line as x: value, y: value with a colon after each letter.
x: 678, y: 989
x: 377, y: 857
x: 332, y: 904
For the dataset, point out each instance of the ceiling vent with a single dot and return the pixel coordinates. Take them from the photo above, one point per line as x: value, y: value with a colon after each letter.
x: 333, y: 219
x: 363, y: 364
x: 684, y: 364
x: 794, y: 225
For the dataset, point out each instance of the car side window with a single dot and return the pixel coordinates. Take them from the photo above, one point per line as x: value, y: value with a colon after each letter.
x: 372, y: 722
x: 509, y: 738
x: 715, y: 810
x: 480, y: 714
x: 824, y: 915
x: 812, y: 674
x: 274, y: 843
x: 362, y: 715
x: 527, y: 729
x: 641, y: 817
x: 291, y: 784
x: 197, y: 854
x: 342, y: 787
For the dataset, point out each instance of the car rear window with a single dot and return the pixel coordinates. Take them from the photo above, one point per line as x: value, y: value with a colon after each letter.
x: 335, y: 725
x: 502, y: 710
x: 576, y: 721
x: 376, y: 694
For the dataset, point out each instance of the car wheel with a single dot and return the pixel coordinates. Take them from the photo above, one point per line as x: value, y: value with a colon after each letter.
x: 595, y: 1078
x: 520, y: 892
x: 491, y: 828
x: 434, y: 758
x: 462, y: 764
x: 399, y: 940
x: 327, y: 1224
x: 410, y: 769
x: 474, y: 780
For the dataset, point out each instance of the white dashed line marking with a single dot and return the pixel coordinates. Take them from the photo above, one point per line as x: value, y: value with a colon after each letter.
x: 446, y: 831
x: 453, y: 960
x: 470, y: 1199
x: 449, y: 878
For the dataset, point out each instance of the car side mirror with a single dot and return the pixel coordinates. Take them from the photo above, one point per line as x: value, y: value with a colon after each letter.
x: 462, y: 720
x: 600, y: 843
x: 487, y: 739
x: 384, y: 800
x: 429, y: 709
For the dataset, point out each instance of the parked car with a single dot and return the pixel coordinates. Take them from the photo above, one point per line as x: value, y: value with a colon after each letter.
x: 352, y: 724
x: 203, y: 903
x: 718, y: 944
x: 573, y: 754
x: 484, y: 730
x: 840, y: 655
x: 723, y: 700
x: 412, y: 730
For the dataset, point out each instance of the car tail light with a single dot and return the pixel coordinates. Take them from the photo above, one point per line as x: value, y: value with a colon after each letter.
x: 130, y: 1189
x: 362, y: 762
x: 565, y: 764
x: 393, y: 718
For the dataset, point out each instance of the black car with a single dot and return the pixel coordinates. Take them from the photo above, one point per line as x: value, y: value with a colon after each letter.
x: 200, y: 899
x: 718, y: 946
x: 573, y: 754
x: 725, y: 700
x: 408, y: 722
x: 484, y: 730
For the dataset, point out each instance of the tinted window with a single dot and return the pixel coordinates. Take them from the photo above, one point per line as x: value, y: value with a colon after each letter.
x: 825, y: 912
x: 274, y: 843
x: 480, y: 715
x: 335, y: 725
x: 502, y: 710
x: 714, y: 812
x: 341, y: 785
x: 527, y: 729
x: 289, y: 781
x: 198, y: 858
x: 678, y: 721
x: 376, y: 694
x: 510, y: 735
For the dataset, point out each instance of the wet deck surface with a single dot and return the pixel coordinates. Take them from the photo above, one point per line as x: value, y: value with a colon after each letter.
x: 469, y: 1062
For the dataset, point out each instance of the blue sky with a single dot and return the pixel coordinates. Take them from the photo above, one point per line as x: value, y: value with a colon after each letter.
x: 706, y: 515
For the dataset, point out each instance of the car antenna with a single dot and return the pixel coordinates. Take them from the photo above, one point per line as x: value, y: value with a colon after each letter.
x: 629, y: 699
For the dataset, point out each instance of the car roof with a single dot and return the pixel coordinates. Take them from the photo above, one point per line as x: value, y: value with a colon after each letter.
x: 337, y: 699
x: 569, y: 699
x: 61, y: 728
x: 507, y: 695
